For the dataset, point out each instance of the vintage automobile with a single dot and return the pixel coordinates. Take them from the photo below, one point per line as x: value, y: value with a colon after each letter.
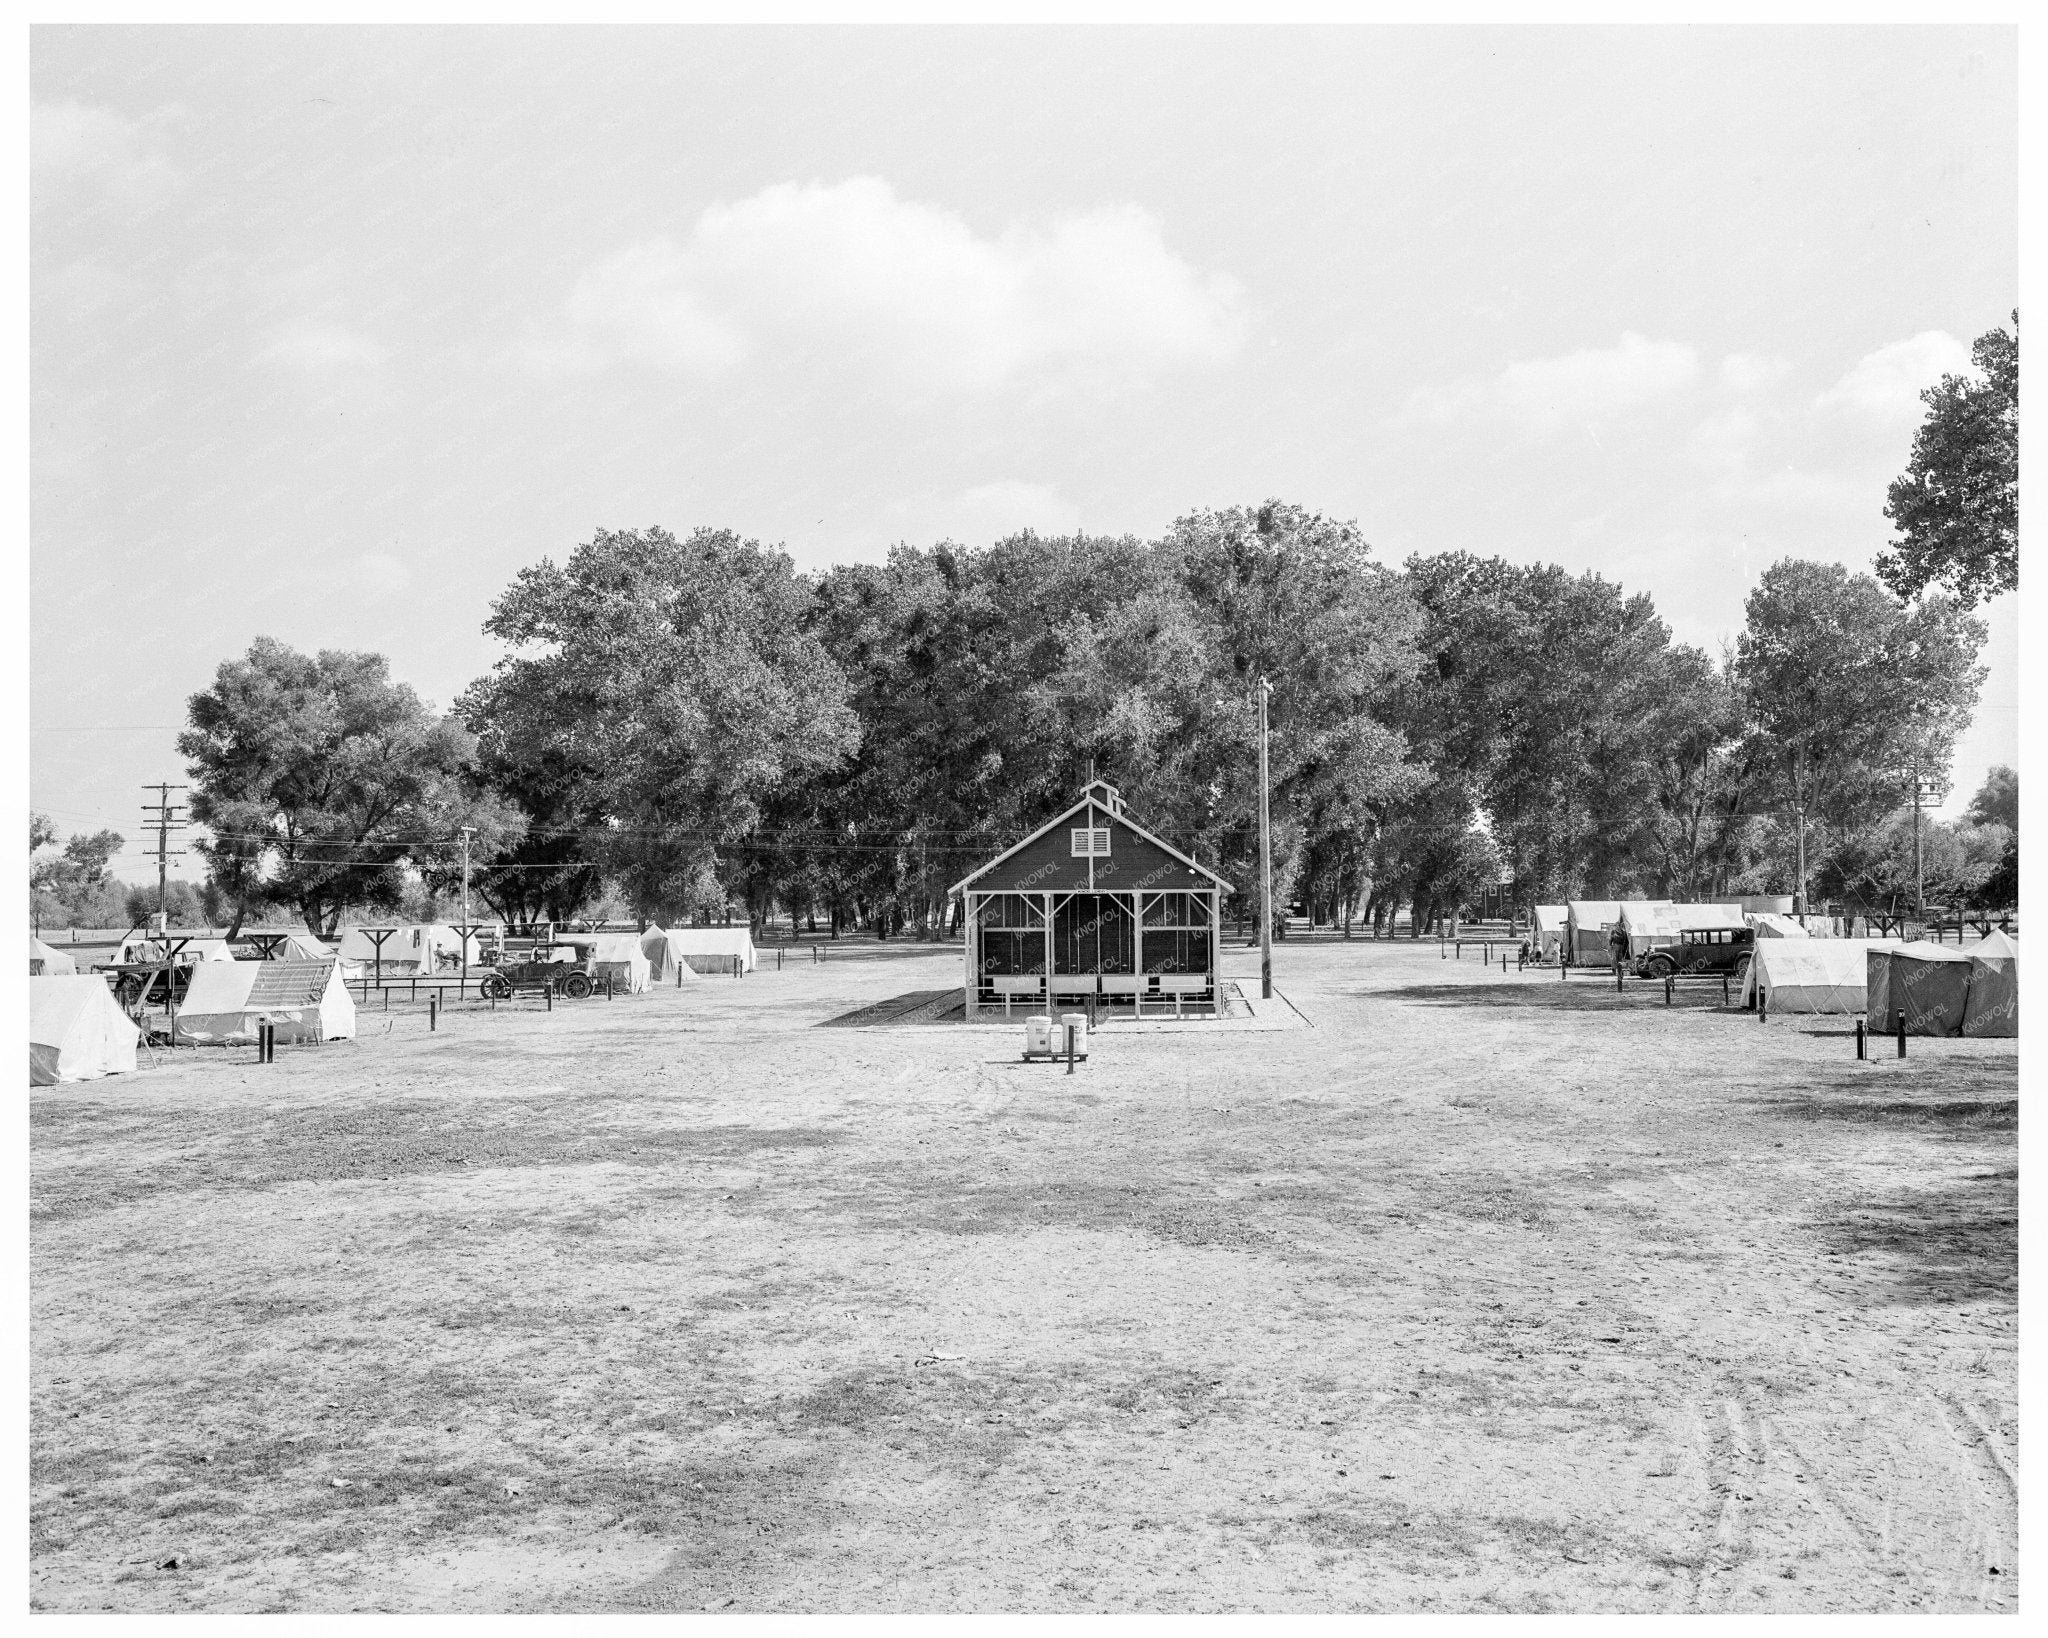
x: 567, y: 966
x: 1701, y: 951
x: 137, y: 971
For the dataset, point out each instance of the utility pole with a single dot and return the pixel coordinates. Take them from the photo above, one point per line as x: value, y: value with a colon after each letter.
x: 1799, y: 816
x: 1919, y: 873
x: 1265, y: 855
x: 467, y: 832
x: 165, y: 821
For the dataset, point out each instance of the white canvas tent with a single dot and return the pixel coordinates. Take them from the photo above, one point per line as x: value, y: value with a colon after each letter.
x: 306, y: 1000
x: 1650, y: 923
x: 1586, y: 923
x: 1809, y: 975
x: 1548, y: 932
x: 413, y: 950
x: 665, y: 961
x: 714, y: 949
x: 1769, y: 924
x: 1928, y: 982
x: 1994, y: 1004
x: 76, y: 1032
x: 619, y: 958
x: 46, y: 962
x: 1691, y: 916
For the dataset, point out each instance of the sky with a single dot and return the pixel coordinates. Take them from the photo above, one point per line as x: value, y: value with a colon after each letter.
x: 333, y: 331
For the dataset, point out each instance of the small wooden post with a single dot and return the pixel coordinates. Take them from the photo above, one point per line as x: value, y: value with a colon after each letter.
x: 1667, y: 992
x: 550, y: 992
x: 1617, y: 978
x: 1901, y: 1015
x: 434, y: 1011
x: 1070, y: 1048
x: 1861, y: 1044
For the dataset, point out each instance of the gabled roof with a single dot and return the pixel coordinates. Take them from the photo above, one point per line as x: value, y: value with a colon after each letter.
x: 1092, y: 798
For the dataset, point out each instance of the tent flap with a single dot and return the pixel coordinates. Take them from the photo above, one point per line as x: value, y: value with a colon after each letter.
x: 76, y: 1030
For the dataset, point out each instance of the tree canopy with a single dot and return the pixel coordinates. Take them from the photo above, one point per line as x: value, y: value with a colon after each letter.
x: 690, y: 727
x: 658, y: 693
x: 1850, y: 693
x: 320, y: 780
x: 1956, y: 506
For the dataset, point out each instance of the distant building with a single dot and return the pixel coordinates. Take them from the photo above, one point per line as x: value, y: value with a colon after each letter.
x: 1091, y: 905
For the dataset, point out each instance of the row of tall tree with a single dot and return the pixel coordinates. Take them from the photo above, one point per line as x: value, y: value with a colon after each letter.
x: 692, y: 728
x: 687, y: 726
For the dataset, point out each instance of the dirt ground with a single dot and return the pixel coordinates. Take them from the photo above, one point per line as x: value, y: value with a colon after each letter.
x: 1460, y: 1290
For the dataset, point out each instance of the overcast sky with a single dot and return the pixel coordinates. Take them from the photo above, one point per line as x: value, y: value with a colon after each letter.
x: 333, y: 331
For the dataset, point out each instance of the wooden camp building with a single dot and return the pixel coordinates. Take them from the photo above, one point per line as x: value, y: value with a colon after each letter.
x: 1099, y: 907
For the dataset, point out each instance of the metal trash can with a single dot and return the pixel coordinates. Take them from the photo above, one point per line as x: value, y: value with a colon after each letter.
x: 1078, y: 1023
x: 1038, y: 1036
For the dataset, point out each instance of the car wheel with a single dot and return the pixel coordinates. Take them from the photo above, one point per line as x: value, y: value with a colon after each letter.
x: 1663, y: 967
x: 494, y: 988
x: 577, y: 986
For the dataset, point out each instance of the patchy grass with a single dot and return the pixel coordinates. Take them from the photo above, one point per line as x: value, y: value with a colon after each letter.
x: 682, y: 1301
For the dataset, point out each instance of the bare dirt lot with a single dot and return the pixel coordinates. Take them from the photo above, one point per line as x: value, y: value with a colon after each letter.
x: 1474, y: 1291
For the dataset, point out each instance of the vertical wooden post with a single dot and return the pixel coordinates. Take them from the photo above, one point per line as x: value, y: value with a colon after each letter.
x: 1049, y: 954
x: 1265, y: 855
x: 970, y: 953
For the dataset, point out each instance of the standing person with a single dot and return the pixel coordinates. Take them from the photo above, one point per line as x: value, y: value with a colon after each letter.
x: 1617, y: 943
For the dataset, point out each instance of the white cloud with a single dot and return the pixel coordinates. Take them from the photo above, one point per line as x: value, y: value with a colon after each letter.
x: 85, y: 291
x: 316, y: 348
x: 1887, y: 384
x: 990, y: 511
x: 1753, y: 372
x: 1790, y: 490
x: 1724, y: 442
x: 978, y: 516
x: 380, y: 572
x: 76, y: 149
x: 848, y: 275
x: 1545, y: 395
